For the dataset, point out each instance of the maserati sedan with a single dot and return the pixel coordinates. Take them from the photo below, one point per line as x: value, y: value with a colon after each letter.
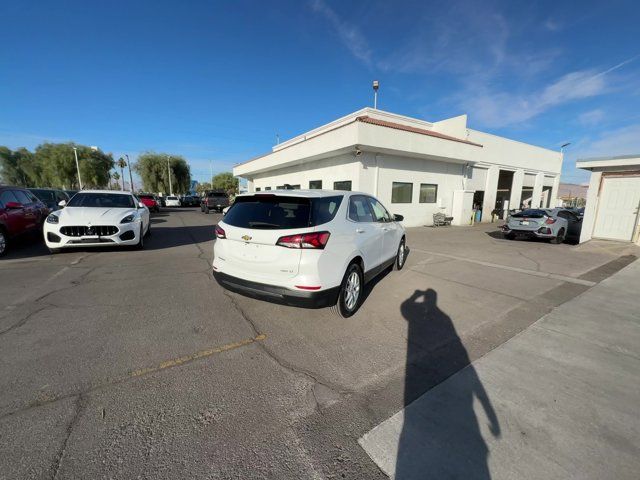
x: 94, y: 218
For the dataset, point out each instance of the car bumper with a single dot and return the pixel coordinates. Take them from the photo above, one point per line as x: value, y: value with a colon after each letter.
x: 278, y: 294
x: 529, y: 233
x: 130, y: 232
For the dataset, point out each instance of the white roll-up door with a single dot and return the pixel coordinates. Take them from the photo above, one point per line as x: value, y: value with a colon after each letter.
x: 617, y: 212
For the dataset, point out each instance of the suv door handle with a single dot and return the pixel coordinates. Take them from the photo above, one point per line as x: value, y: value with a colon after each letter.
x: 359, y: 230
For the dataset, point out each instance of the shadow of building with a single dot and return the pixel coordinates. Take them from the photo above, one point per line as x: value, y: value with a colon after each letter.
x: 441, y: 435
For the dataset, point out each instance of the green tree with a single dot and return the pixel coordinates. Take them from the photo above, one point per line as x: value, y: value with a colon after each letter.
x: 225, y: 181
x: 203, y: 187
x: 58, y: 164
x: 116, y: 177
x: 17, y: 168
x: 154, y: 172
x: 121, y: 163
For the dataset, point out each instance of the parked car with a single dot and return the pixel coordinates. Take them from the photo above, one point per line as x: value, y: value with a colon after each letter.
x: 308, y: 248
x: 225, y: 210
x: 70, y: 193
x: 555, y: 224
x: 190, y: 201
x: 95, y: 218
x: 150, y: 202
x: 214, y: 200
x: 172, y: 201
x: 162, y: 201
x: 50, y: 196
x: 21, y: 212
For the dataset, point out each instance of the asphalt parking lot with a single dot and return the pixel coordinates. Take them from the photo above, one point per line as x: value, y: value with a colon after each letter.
x: 136, y: 364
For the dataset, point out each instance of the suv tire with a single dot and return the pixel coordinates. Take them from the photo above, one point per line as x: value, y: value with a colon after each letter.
x: 558, y: 238
x: 401, y: 256
x: 351, y: 290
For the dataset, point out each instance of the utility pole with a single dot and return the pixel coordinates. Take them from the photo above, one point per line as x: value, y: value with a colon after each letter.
x: 169, y: 172
x: 75, y: 152
x: 131, y: 189
x: 211, y: 173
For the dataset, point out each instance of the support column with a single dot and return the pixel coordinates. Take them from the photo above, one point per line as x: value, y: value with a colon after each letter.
x: 554, y: 191
x: 490, y: 190
x: 250, y: 188
x: 516, y: 190
x: 537, y: 191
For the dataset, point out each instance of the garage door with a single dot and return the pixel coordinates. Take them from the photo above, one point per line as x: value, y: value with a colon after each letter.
x: 618, y: 208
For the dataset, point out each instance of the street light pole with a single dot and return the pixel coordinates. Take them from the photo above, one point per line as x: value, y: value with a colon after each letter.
x: 75, y: 152
x: 131, y: 189
x: 169, y: 172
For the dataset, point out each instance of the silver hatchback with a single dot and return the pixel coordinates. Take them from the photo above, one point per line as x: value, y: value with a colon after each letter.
x: 555, y: 224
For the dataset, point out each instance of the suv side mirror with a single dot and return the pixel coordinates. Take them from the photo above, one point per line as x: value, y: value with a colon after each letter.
x: 13, y: 205
x: 141, y: 205
x: 398, y: 218
x: 62, y: 203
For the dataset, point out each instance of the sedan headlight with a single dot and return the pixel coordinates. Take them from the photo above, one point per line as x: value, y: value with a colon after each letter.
x: 52, y: 218
x: 128, y: 219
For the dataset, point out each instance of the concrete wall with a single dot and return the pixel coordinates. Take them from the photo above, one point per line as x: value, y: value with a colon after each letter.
x: 329, y: 170
x: 448, y: 177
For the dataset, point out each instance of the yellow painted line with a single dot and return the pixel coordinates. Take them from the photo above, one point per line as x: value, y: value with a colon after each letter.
x: 174, y: 362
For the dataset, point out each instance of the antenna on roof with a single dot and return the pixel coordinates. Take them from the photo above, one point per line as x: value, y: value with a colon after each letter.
x: 277, y: 139
x: 376, y: 85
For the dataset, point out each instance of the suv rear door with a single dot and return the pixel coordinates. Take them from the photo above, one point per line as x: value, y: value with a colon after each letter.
x: 368, y: 234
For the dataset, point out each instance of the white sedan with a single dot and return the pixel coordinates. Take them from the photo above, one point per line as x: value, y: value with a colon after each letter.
x: 308, y: 248
x: 95, y: 218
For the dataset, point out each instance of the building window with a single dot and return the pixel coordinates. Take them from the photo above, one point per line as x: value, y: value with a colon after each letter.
x: 294, y: 187
x: 257, y: 189
x: 401, y: 192
x: 267, y: 188
x: 280, y: 187
x: 344, y: 185
x: 428, y: 193
x: 315, y: 185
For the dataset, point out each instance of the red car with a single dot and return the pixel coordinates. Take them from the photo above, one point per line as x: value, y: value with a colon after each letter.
x: 150, y: 202
x: 20, y: 213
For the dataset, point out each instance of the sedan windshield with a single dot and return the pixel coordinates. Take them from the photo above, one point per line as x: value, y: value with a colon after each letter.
x: 102, y: 200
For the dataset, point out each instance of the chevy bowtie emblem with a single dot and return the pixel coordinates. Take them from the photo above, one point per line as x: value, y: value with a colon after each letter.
x: 246, y: 238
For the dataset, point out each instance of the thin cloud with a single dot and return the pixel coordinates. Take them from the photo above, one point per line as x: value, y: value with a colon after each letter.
x: 591, y: 118
x: 349, y: 34
x: 500, y: 109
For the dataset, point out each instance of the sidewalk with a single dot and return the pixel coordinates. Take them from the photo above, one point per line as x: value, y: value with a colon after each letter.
x: 560, y: 400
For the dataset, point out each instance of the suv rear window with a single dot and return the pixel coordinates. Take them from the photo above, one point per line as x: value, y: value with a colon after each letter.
x: 273, y: 212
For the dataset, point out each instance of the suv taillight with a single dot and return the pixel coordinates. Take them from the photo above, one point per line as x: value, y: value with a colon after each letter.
x: 550, y: 221
x: 313, y: 240
x: 220, y: 233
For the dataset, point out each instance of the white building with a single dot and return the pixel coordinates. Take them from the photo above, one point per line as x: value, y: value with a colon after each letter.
x: 613, y: 199
x: 416, y: 168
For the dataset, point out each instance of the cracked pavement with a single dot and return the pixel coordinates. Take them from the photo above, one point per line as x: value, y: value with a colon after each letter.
x: 136, y: 364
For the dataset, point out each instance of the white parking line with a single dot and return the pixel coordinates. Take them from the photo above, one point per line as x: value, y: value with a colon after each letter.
x: 526, y: 271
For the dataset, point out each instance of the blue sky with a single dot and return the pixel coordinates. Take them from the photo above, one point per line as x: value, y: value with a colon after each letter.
x: 216, y: 81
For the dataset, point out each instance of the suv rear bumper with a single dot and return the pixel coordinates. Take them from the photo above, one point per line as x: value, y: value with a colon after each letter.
x: 276, y: 294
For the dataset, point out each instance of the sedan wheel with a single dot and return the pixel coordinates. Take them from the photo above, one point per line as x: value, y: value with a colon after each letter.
x: 350, y: 291
x: 559, y: 237
x: 3, y: 243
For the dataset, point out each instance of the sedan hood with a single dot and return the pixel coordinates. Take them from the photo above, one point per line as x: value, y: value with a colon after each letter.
x: 93, y: 215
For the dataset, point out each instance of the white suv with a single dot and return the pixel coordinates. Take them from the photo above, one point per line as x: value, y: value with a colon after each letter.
x: 309, y: 248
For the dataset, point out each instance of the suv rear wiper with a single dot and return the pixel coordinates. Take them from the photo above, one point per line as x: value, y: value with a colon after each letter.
x: 263, y: 224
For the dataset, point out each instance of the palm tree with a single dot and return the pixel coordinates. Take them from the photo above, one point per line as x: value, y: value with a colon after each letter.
x: 122, y: 164
x: 116, y: 177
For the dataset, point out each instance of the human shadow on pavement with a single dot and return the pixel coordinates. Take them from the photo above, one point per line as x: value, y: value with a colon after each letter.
x: 441, y: 435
